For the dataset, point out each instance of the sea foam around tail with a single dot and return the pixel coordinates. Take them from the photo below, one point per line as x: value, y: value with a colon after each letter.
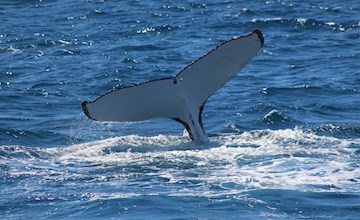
x: 232, y: 163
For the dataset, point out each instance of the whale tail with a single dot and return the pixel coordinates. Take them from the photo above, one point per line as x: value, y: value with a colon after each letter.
x: 181, y: 98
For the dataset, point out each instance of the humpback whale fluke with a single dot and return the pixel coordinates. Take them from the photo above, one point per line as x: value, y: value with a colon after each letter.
x: 181, y: 98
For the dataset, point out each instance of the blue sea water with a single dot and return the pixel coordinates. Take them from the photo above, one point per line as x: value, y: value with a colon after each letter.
x: 284, y: 133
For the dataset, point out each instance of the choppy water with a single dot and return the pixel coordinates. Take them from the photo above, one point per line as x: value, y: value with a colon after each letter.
x: 285, y: 133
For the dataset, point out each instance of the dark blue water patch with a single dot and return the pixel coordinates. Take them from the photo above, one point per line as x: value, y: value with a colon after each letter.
x: 298, y: 101
x: 141, y: 48
x: 39, y: 139
x: 45, y: 206
x: 309, y: 91
x: 339, y: 131
x: 297, y: 204
x: 140, y: 208
x: 269, y: 204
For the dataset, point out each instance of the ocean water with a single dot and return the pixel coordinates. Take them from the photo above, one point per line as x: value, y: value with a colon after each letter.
x: 284, y: 133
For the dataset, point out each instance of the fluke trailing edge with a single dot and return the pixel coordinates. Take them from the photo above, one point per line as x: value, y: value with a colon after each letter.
x: 183, y: 97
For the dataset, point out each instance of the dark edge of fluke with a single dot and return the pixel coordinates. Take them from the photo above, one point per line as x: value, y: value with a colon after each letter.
x: 260, y: 35
x: 85, y: 110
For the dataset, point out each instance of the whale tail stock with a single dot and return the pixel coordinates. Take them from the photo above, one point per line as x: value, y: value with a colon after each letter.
x: 181, y: 98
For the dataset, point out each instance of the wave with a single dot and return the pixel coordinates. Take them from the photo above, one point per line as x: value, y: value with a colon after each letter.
x: 277, y: 118
x: 299, y: 89
x: 148, y: 47
x: 339, y: 131
x: 290, y: 159
x: 308, y: 23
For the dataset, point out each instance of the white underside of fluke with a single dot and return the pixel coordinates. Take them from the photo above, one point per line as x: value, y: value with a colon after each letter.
x: 181, y: 98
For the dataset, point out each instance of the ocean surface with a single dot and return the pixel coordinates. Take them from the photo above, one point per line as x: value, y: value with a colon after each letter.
x: 284, y: 133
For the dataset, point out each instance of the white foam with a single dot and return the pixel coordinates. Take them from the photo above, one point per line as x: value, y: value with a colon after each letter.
x: 281, y: 158
x: 264, y: 159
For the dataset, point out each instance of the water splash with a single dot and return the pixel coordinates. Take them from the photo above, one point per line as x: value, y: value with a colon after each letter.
x: 261, y: 159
